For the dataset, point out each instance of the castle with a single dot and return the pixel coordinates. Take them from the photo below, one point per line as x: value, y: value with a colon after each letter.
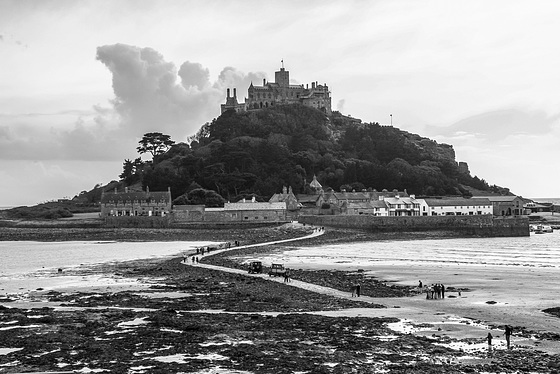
x: 281, y: 92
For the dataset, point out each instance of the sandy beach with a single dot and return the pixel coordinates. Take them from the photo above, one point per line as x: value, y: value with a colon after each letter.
x: 153, y: 303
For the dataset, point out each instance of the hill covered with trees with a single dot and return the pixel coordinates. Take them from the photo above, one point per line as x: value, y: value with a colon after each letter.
x: 257, y: 153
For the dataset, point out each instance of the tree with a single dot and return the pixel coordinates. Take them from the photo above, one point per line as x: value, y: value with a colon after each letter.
x: 154, y: 143
x: 131, y: 169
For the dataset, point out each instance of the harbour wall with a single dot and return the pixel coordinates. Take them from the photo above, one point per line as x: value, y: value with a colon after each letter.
x: 476, y: 226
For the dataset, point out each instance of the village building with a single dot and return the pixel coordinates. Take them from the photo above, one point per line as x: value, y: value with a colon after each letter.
x: 292, y: 205
x: 376, y: 208
x: 281, y: 92
x: 136, y: 203
x: 189, y: 213
x: 399, y: 206
x: 455, y: 207
x: 252, y: 211
x: 343, y: 197
x: 506, y: 205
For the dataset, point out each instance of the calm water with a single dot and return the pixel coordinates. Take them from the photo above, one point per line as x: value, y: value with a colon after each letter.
x: 17, y: 258
x: 537, y: 250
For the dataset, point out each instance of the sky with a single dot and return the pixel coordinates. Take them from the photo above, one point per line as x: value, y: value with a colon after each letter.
x: 82, y: 80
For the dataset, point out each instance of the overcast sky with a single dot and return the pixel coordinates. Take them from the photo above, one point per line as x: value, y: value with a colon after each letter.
x: 82, y: 81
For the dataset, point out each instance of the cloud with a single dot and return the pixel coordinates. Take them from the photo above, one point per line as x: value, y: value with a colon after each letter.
x: 340, y: 105
x: 149, y: 95
x: 194, y: 75
x: 498, y: 125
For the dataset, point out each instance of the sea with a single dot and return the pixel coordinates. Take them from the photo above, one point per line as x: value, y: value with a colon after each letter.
x: 27, y: 265
x: 33, y: 261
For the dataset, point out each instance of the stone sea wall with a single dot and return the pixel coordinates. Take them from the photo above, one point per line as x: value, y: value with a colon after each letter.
x: 479, y: 225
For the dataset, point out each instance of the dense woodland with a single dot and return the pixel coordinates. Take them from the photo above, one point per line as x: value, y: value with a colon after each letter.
x: 257, y: 153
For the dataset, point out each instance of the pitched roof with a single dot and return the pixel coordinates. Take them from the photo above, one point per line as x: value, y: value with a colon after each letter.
x: 351, y: 195
x: 136, y: 196
x: 497, y: 199
x: 305, y: 198
x: 457, y: 202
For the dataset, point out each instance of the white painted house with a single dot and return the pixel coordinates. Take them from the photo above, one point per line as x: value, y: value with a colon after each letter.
x: 455, y: 207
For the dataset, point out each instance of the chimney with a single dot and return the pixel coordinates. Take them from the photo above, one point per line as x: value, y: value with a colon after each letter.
x: 312, y: 84
x: 235, y: 92
x: 307, y: 86
x: 264, y: 82
x: 228, y: 93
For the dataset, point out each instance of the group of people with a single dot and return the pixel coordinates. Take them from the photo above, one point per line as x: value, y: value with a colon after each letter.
x: 434, y: 291
x: 356, y: 289
x: 508, y: 331
x: 194, y: 259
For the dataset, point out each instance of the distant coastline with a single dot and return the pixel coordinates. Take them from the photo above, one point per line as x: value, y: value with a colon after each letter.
x: 553, y: 200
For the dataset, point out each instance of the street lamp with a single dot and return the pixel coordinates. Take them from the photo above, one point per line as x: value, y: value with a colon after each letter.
x: 391, y: 119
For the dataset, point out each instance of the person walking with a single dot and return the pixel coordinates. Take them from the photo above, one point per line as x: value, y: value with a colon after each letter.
x: 358, y: 289
x: 507, y: 333
x: 442, y: 291
x: 489, y: 339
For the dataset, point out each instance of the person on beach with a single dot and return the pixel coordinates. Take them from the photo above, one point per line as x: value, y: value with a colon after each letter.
x: 354, y: 289
x: 286, y: 276
x: 184, y: 258
x: 442, y: 291
x: 427, y: 290
x: 489, y: 339
x: 197, y: 260
x: 192, y: 259
x: 420, y: 284
x: 508, y: 331
x: 358, y: 289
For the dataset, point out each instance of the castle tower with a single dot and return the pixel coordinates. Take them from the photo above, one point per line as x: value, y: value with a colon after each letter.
x: 282, y: 78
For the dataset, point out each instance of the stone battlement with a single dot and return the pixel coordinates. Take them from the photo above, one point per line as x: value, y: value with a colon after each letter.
x: 280, y: 92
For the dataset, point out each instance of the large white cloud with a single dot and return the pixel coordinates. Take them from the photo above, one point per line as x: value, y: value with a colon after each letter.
x: 150, y: 94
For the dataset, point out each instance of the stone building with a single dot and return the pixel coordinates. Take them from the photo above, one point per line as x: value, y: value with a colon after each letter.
x: 135, y: 203
x: 281, y: 92
x: 232, y: 104
x: 247, y: 211
x: 505, y: 205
